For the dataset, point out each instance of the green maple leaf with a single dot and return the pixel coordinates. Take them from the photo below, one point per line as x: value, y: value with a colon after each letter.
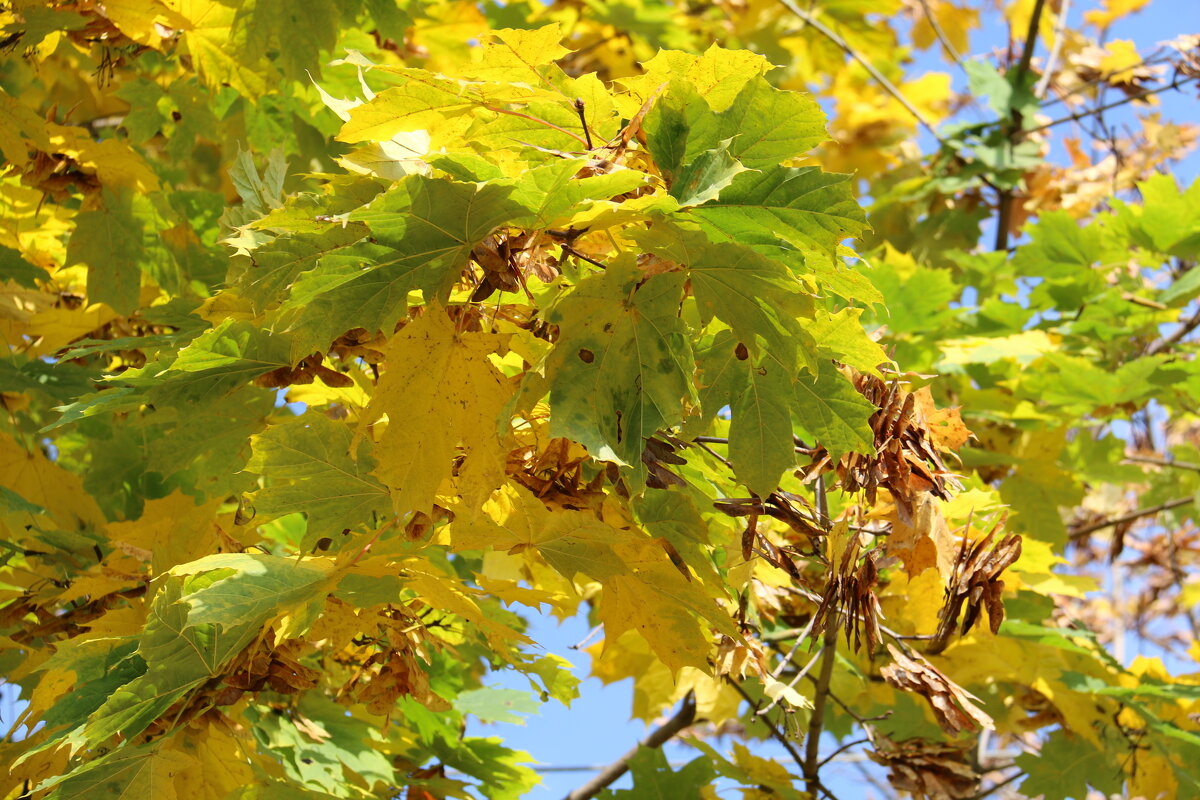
x: 422, y: 231
x: 744, y: 289
x: 13, y: 267
x: 829, y: 408
x: 762, y: 128
x: 110, y: 242
x: 760, y: 396
x: 804, y: 208
x: 1066, y: 766
x: 622, y: 365
x: 274, y: 266
x: 147, y: 770
x: 311, y: 470
x: 654, y: 778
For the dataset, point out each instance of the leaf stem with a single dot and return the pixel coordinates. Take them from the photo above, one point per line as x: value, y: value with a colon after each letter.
x: 539, y: 121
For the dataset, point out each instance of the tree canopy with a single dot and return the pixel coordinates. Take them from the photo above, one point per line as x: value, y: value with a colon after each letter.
x: 859, y: 412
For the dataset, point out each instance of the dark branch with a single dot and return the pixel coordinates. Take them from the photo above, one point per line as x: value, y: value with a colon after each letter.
x: 685, y: 717
x: 1186, y: 326
x: 1079, y: 533
x: 1176, y: 83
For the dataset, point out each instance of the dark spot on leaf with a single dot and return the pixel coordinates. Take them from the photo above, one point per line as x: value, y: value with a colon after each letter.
x: 741, y: 352
x: 323, y: 543
x: 607, y: 327
x: 586, y: 356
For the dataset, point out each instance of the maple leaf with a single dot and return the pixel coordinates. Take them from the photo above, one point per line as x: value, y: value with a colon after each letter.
x: 620, y: 369
x: 317, y: 469
x: 439, y: 391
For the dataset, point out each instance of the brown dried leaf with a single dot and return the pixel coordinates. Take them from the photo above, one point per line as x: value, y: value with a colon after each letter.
x: 954, y: 707
x: 933, y: 770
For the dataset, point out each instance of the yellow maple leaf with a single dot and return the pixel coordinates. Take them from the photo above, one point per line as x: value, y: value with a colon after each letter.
x: 208, y: 33
x: 172, y: 530
x: 439, y: 391
x: 642, y: 589
x: 42, y: 482
x: 147, y: 22
x: 955, y: 21
x: 114, y: 162
x: 1111, y: 11
x: 1036, y: 573
x: 1120, y: 59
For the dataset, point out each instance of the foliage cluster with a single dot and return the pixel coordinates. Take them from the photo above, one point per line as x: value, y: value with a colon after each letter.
x: 563, y: 306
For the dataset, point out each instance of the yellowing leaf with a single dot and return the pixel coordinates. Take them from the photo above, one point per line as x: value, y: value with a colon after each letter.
x: 1120, y: 59
x: 209, y: 35
x: 1112, y: 10
x: 1034, y: 569
x: 643, y: 589
x: 439, y: 391
x: 172, y: 530
x: 42, y: 482
x: 144, y: 21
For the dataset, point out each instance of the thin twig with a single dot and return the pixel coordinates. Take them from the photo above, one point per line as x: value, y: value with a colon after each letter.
x: 1060, y: 25
x: 685, y: 717
x: 800, y: 634
x: 587, y: 134
x: 1186, y: 326
x: 1162, y: 462
x: 998, y: 786
x: 940, y: 33
x: 1079, y: 533
x: 776, y: 734
x: 841, y: 750
x: 879, y: 77
x: 587, y: 638
x: 1176, y: 83
x: 792, y: 684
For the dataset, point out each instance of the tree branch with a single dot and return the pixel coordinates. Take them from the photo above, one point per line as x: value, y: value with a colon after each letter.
x: 684, y: 718
x: 1012, y: 127
x: 812, y: 743
x: 776, y: 734
x: 879, y: 77
x: 1176, y: 83
x: 1161, y: 462
x: 843, y: 749
x: 939, y: 33
x: 1079, y: 533
x: 1186, y: 326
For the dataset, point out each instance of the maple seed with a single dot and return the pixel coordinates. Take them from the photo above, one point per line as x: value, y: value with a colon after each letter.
x: 586, y: 356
